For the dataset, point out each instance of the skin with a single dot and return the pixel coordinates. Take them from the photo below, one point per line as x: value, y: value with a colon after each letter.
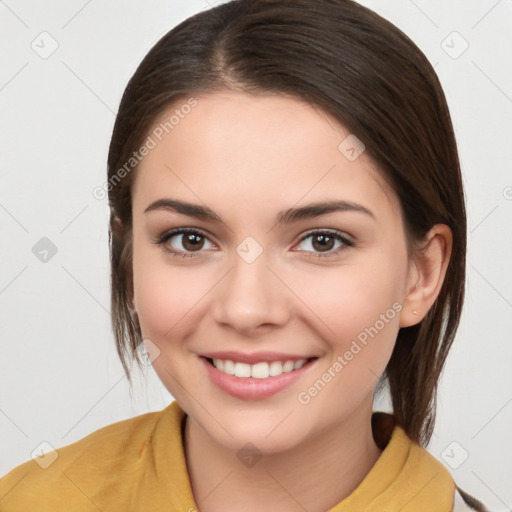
x: 248, y: 157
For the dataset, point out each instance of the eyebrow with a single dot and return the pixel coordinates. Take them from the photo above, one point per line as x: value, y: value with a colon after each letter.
x: 288, y: 216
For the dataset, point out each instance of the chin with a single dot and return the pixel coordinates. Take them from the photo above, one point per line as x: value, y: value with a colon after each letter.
x: 269, y: 435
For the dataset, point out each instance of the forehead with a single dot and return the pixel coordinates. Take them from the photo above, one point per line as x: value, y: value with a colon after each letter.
x: 254, y: 151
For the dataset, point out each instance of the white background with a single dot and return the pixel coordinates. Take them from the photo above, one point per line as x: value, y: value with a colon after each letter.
x: 60, y: 375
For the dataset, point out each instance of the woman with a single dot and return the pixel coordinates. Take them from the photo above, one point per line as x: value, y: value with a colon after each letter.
x: 288, y: 237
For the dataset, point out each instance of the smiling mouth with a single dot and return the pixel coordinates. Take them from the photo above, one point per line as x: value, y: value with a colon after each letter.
x: 261, y: 370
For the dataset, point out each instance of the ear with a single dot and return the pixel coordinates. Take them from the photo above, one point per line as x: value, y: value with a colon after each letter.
x: 426, y: 274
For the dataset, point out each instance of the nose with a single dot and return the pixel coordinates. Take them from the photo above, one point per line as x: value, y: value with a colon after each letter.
x: 251, y: 296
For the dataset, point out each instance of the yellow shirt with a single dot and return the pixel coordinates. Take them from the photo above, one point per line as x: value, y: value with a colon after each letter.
x: 139, y: 465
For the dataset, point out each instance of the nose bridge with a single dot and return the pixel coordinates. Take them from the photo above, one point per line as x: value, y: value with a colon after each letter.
x: 250, y: 295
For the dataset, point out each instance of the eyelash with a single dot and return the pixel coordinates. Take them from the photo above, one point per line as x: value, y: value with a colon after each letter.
x: 162, y: 239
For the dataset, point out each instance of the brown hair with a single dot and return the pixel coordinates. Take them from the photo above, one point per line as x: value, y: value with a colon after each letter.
x: 367, y: 74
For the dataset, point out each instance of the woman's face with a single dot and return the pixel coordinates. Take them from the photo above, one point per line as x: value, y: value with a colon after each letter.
x: 270, y: 279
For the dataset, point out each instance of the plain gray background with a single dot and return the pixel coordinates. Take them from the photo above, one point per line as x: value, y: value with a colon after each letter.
x: 61, y: 378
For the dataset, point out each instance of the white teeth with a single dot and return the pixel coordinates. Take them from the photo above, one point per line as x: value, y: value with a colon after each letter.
x: 242, y: 370
x: 259, y: 370
x: 288, y: 366
x: 229, y: 367
x: 299, y: 364
x: 276, y: 368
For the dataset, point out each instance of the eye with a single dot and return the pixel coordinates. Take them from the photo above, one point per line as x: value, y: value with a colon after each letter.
x: 324, y: 241
x: 187, y: 241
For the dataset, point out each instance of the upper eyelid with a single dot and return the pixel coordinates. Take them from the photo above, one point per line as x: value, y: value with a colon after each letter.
x: 188, y: 229
x: 181, y: 231
x: 337, y: 232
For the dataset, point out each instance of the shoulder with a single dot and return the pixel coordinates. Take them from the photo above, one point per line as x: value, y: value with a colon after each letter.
x: 95, y: 460
x: 419, y: 465
x: 462, y: 501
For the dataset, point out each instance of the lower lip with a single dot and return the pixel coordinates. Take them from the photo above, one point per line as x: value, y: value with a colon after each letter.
x: 250, y: 388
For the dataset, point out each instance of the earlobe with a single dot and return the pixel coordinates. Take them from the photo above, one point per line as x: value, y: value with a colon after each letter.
x: 426, y: 275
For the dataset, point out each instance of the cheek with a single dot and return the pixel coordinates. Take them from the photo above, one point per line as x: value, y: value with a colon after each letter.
x: 165, y: 304
x: 359, y: 307
x: 358, y: 303
x: 164, y: 294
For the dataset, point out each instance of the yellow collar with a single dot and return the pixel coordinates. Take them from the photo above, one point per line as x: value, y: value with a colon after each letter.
x: 406, y: 477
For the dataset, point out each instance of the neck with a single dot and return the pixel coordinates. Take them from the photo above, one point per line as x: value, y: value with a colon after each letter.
x: 314, y: 476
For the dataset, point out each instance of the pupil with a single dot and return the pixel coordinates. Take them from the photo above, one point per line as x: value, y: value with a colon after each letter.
x: 324, y: 241
x: 192, y: 239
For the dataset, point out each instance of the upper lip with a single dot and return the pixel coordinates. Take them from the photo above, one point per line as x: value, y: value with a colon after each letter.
x: 254, y: 357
